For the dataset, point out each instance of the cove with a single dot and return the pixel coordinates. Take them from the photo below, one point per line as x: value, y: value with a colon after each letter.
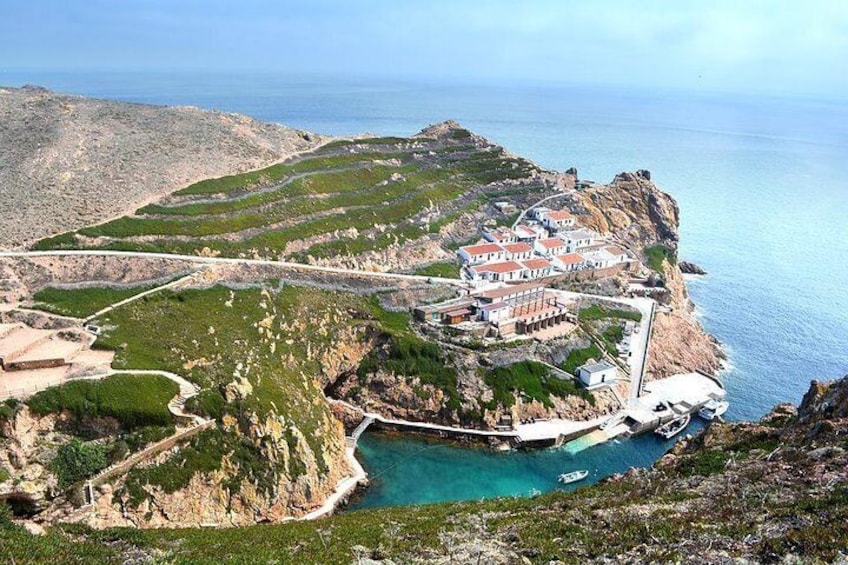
x: 415, y: 470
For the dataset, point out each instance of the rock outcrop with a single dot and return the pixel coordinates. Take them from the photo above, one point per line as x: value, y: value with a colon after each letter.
x: 634, y: 211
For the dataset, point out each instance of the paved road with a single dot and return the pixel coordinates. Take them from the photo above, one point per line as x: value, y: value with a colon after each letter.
x: 227, y: 261
x: 540, y: 202
x: 639, y: 346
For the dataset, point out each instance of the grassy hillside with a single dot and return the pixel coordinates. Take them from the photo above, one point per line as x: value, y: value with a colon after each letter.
x: 347, y: 197
x: 774, y: 492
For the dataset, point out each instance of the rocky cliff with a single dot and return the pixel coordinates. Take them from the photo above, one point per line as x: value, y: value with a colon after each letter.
x: 641, y: 216
x: 774, y: 491
x: 68, y: 162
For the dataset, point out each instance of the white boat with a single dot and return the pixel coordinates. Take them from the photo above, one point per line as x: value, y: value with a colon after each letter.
x: 572, y: 477
x: 713, y: 409
x: 674, y: 427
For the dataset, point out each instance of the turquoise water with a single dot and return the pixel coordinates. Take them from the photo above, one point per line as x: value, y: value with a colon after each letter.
x: 762, y: 188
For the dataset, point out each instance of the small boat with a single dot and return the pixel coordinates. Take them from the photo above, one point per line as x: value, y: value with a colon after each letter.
x: 674, y: 427
x: 713, y: 409
x: 572, y: 477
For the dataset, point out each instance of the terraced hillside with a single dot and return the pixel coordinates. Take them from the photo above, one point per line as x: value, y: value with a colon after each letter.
x: 346, y: 198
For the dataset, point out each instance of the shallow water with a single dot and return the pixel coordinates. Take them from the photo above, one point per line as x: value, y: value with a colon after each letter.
x: 761, y: 183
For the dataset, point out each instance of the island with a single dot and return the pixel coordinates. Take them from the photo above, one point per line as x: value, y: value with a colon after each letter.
x: 205, y: 352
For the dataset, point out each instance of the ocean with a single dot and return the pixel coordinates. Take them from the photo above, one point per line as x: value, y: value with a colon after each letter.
x: 762, y: 184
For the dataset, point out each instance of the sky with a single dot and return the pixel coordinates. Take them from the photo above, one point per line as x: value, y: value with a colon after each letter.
x: 775, y: 46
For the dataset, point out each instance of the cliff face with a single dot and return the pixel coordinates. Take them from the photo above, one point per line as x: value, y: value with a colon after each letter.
x: 633, y: 209
x: 67, y: 161
x: 770, y: 492
x: 640, y: 215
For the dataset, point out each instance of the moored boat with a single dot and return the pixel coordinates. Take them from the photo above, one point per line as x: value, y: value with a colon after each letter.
x: 674, y: 427
x: 713, y: 409
x: 573, y: 477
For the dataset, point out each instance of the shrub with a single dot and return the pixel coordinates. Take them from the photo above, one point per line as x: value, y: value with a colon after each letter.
x: 133, y: 400
x: 534, y: 380
x: 598, y: 312
x: 76, y: 461
x: 657, y: 255
x: 578, y: 357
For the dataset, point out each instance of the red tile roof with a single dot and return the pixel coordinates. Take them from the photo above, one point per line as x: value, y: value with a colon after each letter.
x: 551, y: 243
x: 559, y: 215
x: 502, y: 267
x: 534, y: 264
x: 482, y: 248
x: 518, y: 248
x: 571, y: 258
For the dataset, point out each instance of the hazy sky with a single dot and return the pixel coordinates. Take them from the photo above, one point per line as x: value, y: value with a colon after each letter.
x: 737, y: 44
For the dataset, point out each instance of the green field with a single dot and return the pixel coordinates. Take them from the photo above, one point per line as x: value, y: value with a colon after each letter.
x: 82, y: 302
x: 133, y: 400
x: 383, y: 188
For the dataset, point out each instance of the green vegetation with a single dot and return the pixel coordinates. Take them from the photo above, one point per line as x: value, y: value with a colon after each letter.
x: 444, y: 269
x: 77, y: 460
x: 611, y: 337
x: 318, y: 195
x: 133, y: 400
x: 409, y: 355
x: 657, y: 255
x: 82, y: 302
x: 533, y: 380
x: 205, y: 453
x: 598, y: 312
x: 578, y: 357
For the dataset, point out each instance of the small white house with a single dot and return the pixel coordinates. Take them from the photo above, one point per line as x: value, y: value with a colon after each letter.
x: 529, y: 234
x: 556, y: 220
x: 503, y: 271
x: 480, y: 253
x: 569, y: 262
x: 537, y: 268
x: 594, y: 374
x: 577, y: 239
x: 619, y: 255
x: 539, y: 213
x: 517, y: 251
x: 600, y: 259
x: 549, y: 247
x: 500, y: 235
x: 495, y: 312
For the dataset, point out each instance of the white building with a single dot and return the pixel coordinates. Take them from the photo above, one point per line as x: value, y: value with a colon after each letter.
x: 495, y: 312
x: 502, y: 271
x: 536, y: 268
x: 569, y: 262
x: 529, y: 234
x: 600, y: 259
x: 549, y: 247
x: 500, y: 235
x: 577, y: 239
x: 594, y: 374
x: 619, y: 255
x: 556, y: 220
x: 480, y: 253
x: 539, y: 212
x: 517, y: 251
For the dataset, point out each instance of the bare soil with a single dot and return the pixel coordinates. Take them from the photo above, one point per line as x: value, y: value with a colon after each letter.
x: 67, y: 162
